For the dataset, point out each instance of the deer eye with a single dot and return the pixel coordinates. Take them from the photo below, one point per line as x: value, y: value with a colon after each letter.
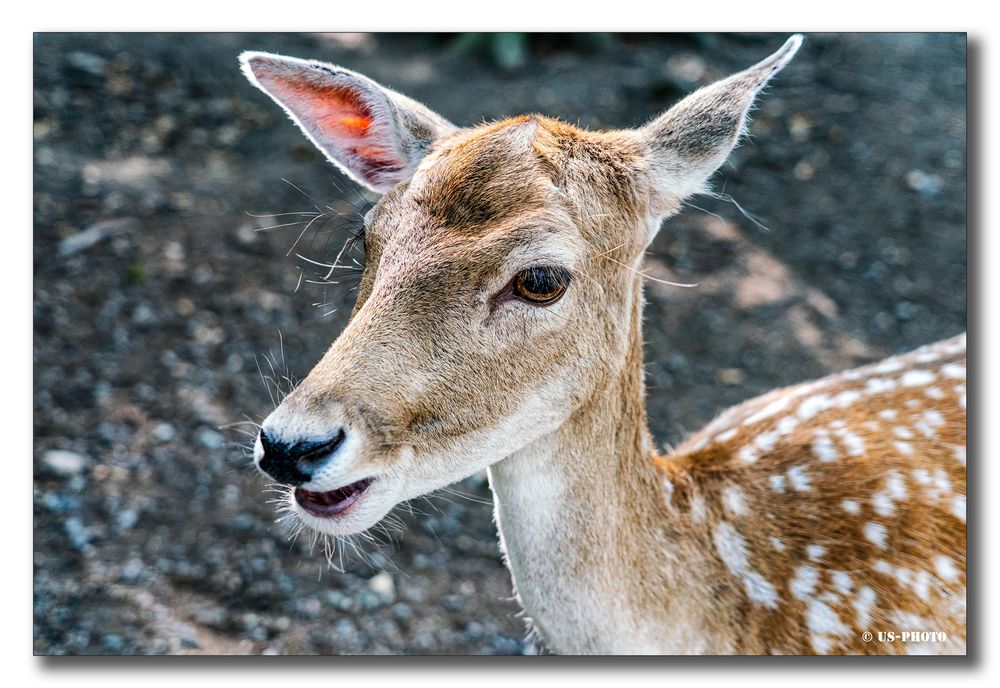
x: 541, y: 285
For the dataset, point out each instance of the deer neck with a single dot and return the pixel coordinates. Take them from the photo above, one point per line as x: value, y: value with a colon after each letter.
x: 582, y: 519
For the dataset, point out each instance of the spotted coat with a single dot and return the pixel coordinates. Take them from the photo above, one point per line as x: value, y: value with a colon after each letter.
x: 836, y: 507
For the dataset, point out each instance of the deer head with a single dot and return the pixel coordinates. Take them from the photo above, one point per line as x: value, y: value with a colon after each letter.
x: 501, y: 288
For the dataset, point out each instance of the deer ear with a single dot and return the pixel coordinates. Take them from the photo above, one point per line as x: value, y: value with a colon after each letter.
x: 376, y: 136
x: 686, y: 144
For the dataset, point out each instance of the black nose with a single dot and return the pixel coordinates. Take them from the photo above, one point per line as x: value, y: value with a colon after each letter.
x: 294, y: 464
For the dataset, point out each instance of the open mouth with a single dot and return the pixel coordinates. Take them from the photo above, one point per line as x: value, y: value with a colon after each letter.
x: 327, y: 504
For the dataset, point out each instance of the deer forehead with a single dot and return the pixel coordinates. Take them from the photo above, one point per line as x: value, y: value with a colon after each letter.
x: 507, y: 174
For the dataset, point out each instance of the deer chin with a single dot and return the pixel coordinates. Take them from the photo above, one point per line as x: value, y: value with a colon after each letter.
x: 346, y: 510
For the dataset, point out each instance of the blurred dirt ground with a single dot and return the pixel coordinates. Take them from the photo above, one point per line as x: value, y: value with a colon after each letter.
x: 156, y: 299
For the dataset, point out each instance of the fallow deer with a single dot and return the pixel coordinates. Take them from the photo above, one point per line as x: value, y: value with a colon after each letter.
x: 498, y: 326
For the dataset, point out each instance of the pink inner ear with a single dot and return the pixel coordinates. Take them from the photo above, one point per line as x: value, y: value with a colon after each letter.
x: 334, y: 112
x: 341, y: 121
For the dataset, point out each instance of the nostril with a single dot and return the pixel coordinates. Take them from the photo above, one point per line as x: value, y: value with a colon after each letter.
x: 311, y: 455
x: 295, y: 463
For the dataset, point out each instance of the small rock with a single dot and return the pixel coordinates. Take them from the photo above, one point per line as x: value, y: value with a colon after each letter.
x: 64, y: 462
x: 113, y: 643
x: 730, y: 376
x: 369, y: 600
x: 132, y: 570
x: 95, y: 234
x: 185, y: 307
x: 475, y: 630
x: 804, y: 170
x: 402, y: 611
x: 453, y: 603
x: 87, y: 62
x: 310, y: 607
x: 339, y: 600
x: 505, y: 645
x: 689, y: 68
x: 77, y: 532
x: 126, y: 519
x: 143, y: 314
x: 799, y: 126
x: 57, y: 502
x: 906, y: 310
x: 383, y: 586
x: 346, y: 631
x: 164, y: 432
x: 209, y: 438
x: 925, y: 184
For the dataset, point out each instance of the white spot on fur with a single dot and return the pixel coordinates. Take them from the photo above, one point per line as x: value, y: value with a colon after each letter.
x: 823, y: 447
x: 958, y: 507
x: 798, y: 479
x: 863, y: 604
x: 850, y: 506
x: 887, y: 414
x: 941, y: 482
x: 879, y: 385
x: 760, y: 590
x: 823, y: 622
x: 922, y: 585
x: 813, y: 405
x: 765, y: 441
x: 895, y: 485
x: 876, y: 534
x: 698, y: 510
x: 822, y: 644
x: 854, y: 444
x: 846, y: 398
x: 953, y: 370
x: 916, y: 378
x: 777, y: 483
x: 946, y: 569
x: 748, y: 454
x: 936, y: 486
x: 804, y: 582
x: 934, y: 393
x: 668, y: 492
x: 882, y: 566
x: 882, y: 504
x: 959, y: 453
x: 733, y: 501
x: 889, y: 366
x: 929, y: 422
x: 815, y: 552
x: 778, y: 544
x: 732, y: 550
x: 904, y: 448
x: 786, y: 425
x: 903, y: 433
x: 842, y: 582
